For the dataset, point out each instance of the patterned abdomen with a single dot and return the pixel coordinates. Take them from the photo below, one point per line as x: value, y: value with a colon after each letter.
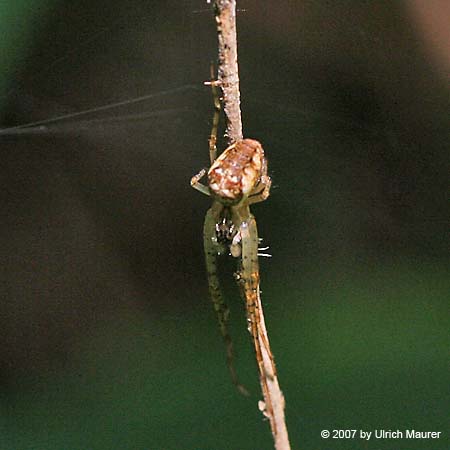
x: 237, y: 170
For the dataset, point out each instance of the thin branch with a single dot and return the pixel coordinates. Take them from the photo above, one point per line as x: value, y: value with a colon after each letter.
x: 228, y: 79
x: 228, y: 73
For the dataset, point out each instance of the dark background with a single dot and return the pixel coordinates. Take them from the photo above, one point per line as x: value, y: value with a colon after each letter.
x: 107, y: 337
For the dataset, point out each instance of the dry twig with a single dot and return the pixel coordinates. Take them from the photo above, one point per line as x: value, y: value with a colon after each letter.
x: 228, y: 80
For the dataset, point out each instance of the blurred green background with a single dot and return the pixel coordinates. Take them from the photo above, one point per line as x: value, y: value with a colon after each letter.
x: 108, y: 340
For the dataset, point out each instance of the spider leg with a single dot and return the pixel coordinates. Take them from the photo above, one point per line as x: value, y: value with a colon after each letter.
x: 249, y: 271
x: 262, y: 190
x: 216, y: 117
x: 220, y: 307
x: 249, y: 285
x: 195, y: 182
x: 263, y: 194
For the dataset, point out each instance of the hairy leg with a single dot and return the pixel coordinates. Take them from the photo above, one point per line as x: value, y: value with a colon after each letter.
x: 249, y: 285
x: 195, y: 182
x: 211, y: 252
x: 262, y: 190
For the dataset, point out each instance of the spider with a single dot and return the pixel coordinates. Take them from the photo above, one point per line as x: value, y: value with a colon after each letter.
x: 236, y: 179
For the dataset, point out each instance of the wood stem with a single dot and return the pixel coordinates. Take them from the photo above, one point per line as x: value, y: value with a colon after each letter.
x: 228, y: 80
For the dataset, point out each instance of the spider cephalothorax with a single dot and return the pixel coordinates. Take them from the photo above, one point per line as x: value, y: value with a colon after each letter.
x: 238, y: 176
x: 237, y: 171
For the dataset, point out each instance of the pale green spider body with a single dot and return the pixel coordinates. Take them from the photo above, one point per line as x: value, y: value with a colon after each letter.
x: 236, y: 179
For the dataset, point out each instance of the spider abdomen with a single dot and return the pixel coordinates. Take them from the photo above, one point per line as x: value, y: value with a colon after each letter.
x: 235, y: 173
